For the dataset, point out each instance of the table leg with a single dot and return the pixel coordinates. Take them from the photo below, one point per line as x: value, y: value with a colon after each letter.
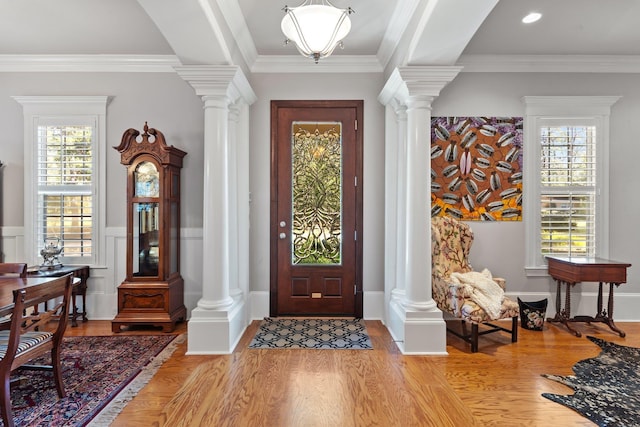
x: 599, y: 312
x: 84, y: 305
x: 609, y: 318
x: 567, y: 314
x: 563, y: 315
x: 75, y: 310
x: 557, y: 317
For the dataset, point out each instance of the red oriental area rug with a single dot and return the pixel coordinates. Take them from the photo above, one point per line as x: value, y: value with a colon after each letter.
x: 98, y: 373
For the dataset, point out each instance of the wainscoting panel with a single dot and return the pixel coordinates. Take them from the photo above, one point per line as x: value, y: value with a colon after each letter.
x: 102, y: 296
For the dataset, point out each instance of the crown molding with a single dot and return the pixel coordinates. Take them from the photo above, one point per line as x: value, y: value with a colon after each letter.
x: 416, y: 81
x: 550, y: 63
x: 330, y: 64
x: 218, y: 81
x: 89, y: 63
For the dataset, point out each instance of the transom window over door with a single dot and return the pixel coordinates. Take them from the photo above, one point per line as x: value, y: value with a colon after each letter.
x: 566, y: 178
x: 64, y: 149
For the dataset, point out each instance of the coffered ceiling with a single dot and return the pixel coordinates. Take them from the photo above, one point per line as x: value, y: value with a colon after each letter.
x: 473, y: 33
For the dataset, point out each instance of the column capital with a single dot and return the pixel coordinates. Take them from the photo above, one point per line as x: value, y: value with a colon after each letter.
x: 222, y: 81
x: 234, y: 112
x: 399, y: 108
x: 424, y: 82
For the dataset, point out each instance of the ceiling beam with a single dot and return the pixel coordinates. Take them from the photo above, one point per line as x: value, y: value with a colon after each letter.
x: 192, y: 28
x: 444, y: 30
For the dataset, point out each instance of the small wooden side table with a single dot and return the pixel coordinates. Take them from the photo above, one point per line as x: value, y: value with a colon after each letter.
x: 79, y: 271
x: 573, y: 270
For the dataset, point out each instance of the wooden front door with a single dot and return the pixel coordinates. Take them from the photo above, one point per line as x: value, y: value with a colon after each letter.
x: 316, y: 208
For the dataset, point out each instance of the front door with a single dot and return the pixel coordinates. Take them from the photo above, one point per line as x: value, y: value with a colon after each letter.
x: 316, y: 208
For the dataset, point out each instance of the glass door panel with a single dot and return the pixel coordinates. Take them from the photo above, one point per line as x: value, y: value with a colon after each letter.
x: 145, y: 239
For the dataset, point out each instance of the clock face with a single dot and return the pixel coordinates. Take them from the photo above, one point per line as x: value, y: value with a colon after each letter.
x: 147, y: 180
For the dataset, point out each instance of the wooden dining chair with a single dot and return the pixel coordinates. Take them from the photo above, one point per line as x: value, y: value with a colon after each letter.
x: 13, y: 269
x: 25, y: 341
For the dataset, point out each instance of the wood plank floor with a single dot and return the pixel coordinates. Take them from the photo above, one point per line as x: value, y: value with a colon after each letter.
x: 501, y: 385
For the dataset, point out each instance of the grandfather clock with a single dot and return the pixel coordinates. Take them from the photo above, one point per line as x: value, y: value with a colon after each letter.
x: 153, y: 291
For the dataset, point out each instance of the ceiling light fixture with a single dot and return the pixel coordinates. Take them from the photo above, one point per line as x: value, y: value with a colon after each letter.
x: 532, y: 17
x: 316, y: 27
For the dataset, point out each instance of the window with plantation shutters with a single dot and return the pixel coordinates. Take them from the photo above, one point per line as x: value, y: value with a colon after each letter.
x: 566, y: 178
x: 568, y: 190
x: 64, y: 187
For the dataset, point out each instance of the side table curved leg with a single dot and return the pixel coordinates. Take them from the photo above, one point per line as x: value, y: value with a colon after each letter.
x: 609, y: 318
x: 563, y: 315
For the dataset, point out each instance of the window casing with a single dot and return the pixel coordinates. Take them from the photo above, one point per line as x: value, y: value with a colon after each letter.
x: 566, y: 156
x: 64, y: 176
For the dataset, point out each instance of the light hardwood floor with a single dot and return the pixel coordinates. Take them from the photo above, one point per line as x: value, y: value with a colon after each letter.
x: 501, y: 385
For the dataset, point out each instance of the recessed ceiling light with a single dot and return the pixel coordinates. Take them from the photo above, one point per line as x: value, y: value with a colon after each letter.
x: 532, y: 17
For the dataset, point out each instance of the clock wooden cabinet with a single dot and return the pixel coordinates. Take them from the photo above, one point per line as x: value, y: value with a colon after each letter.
x: 153, y: 290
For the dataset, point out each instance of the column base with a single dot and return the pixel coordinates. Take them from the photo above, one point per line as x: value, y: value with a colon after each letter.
x: 417, y: 331
x: 216, y: 331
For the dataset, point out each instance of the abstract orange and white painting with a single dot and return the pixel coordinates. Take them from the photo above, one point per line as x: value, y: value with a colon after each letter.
x: 476, y: 168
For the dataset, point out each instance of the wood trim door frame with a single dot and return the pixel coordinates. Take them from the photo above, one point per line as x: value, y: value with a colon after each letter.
x: 276, y: 105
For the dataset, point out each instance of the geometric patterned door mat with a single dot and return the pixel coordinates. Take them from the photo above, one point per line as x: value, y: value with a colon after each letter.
x: 350, y: 334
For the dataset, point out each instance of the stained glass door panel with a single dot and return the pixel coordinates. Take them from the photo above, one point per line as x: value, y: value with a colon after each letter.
x: 316, y: 226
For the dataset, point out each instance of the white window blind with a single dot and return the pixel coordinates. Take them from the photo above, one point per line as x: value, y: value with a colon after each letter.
x: 568, y: 190
x: 64, y: 180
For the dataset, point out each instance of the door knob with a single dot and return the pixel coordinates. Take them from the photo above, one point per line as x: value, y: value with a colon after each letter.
x: 283, y: 235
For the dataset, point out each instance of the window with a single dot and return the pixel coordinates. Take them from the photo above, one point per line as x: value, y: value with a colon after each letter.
x: 64, y: 206
x: 567, y: 189
x: 64, y: 170
x: 566, y: 174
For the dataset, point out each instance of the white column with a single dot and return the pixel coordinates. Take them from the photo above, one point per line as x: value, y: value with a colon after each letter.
x: 413, y: 318
x: 417, y: 214
x: 218, y: 321
x: 401, y: 119
x: 215, y: 221
x: 242, y: 152
x: 234, y: 231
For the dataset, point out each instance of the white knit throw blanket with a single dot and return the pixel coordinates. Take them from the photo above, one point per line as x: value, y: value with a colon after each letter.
x: 482, y: 290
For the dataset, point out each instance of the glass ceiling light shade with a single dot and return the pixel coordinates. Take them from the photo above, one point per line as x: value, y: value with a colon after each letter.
x: 316, y: 29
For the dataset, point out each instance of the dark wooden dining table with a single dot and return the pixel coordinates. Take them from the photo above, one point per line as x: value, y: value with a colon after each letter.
x: 10, y: 284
